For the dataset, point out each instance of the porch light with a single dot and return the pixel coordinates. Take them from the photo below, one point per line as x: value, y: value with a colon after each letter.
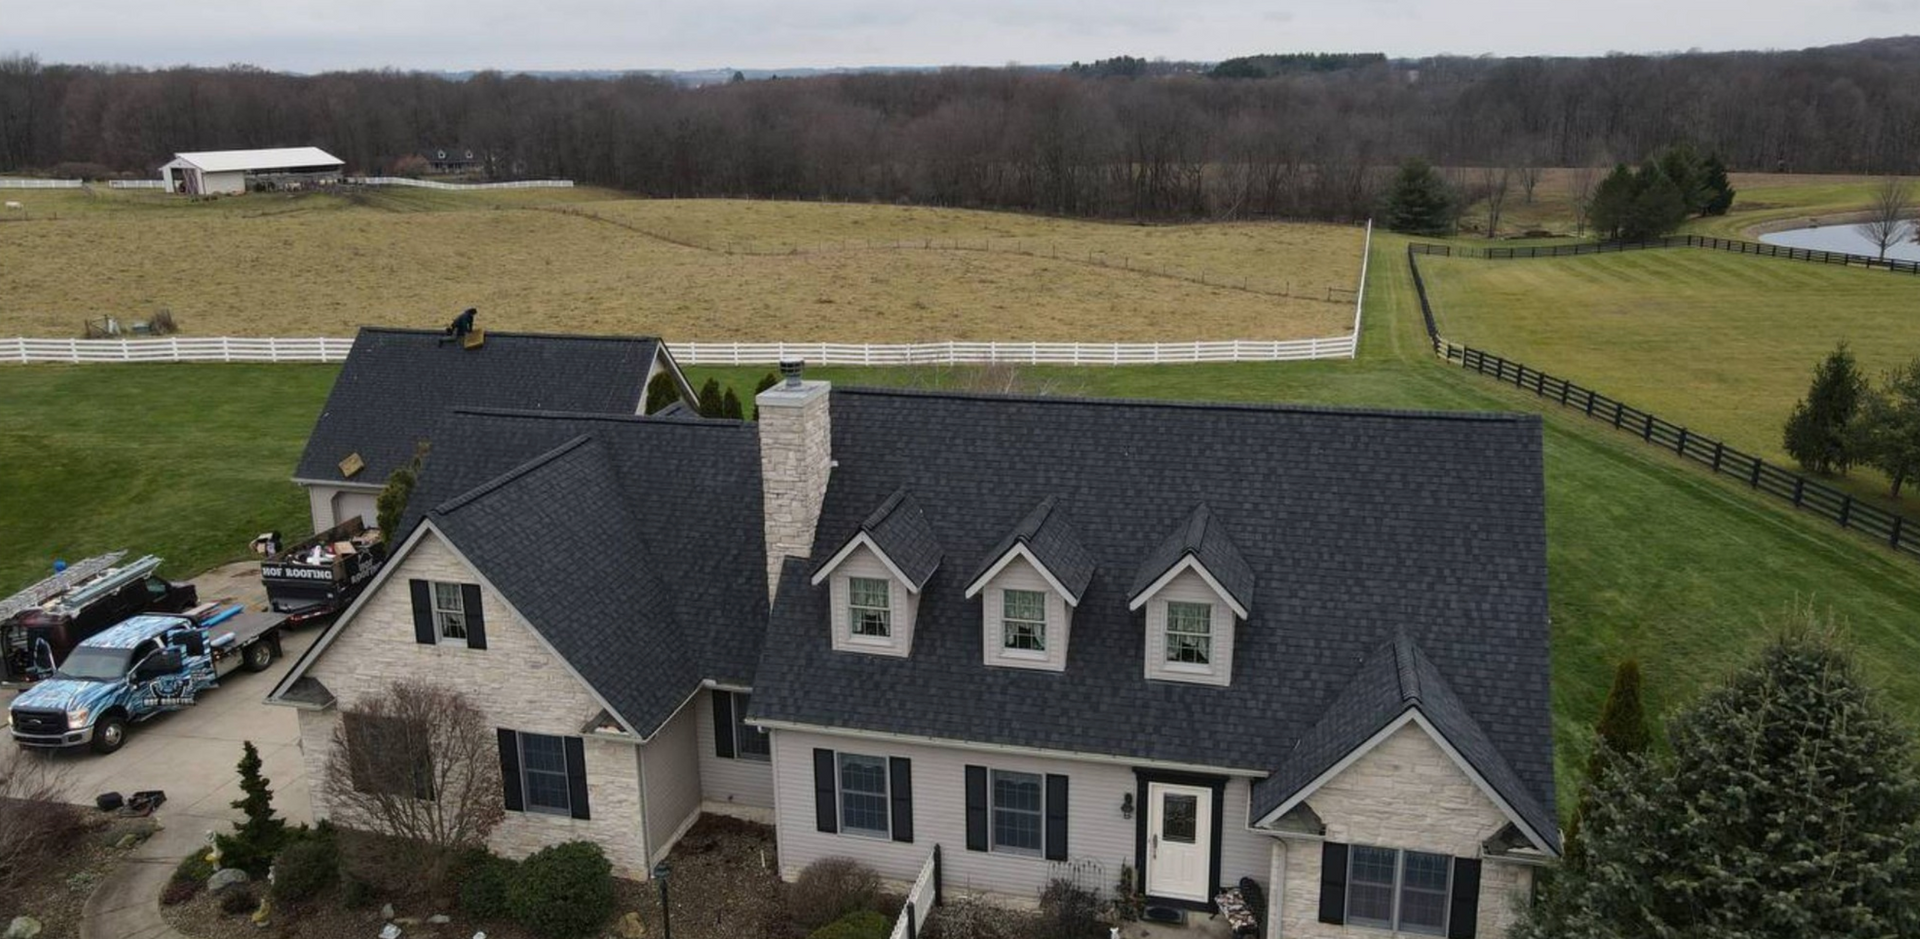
x: 1126, y: 806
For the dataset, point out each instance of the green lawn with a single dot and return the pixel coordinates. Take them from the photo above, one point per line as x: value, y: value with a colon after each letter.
x: 1719, y: 342
x: 1647, y: 557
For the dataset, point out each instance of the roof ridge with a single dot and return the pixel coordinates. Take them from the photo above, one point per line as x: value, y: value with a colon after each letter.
x: 888, y: 506
x: 1404, y: 652
x: 1039, y: 515
x: 1275, y: 407
x: 537, y: 413
x: 509, y: 334
x: 470, y: 496
x: 1197, y: 523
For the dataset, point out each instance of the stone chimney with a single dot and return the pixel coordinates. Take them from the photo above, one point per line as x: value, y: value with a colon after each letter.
x: 796, y: 454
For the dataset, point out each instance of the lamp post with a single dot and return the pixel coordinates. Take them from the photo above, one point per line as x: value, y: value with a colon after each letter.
x: 660, y: 872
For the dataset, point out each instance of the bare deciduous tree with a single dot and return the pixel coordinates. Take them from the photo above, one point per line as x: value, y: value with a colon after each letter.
x: 1580, y: 183
x: 35, y: 820
x: 1529, y: 176
x: 1888, y: 213
x: 417, y: 762
x: 1494, y: 181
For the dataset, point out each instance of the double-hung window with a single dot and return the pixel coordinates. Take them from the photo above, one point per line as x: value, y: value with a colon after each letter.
x: 749, y: 742
x: 449, y: 611
x: 863, y: 795
x: 1023, y: 620
x: 1403, y: 890
x: 543, y: 768
x: 1017, y: 812
x: 1189, y: 633
x: 870, y: 607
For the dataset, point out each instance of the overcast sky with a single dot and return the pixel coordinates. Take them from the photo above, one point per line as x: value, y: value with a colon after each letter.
x: 316, y: 35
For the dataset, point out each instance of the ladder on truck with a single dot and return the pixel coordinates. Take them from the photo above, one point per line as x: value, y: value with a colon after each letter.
x: 80, y: 584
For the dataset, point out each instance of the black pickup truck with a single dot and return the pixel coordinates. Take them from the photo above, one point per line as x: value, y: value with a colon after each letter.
x: 321, y: 575
x: 41, y: 624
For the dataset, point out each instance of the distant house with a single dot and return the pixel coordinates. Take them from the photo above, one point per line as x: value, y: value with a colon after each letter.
x: 221, y: 171
x: 398, y: 383
x: 454, y: 159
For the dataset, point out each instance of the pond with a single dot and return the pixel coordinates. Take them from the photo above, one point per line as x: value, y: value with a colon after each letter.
x: 1845, y: 238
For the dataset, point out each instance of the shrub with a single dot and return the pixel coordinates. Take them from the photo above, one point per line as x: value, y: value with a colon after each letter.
x: 564, y: 891
x: 484, y: 886
x: 1068, y: 911
x: 356, y: 894
x: 194, y: 868
x: 177, y: 892
x: 304, y: 869
x: 859, y: 924
x: 831, y: 888
x: 238, y: 900
x: 255, y: 841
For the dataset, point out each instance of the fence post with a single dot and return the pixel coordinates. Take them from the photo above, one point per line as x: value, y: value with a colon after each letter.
x: 1681, y: 447
x: 1619, y: 409
x: 936, y: 876
x: 1893, y: 540
x: 1718, y: 448
x: 1753, y: 478
x: 1846, y: 511
x: 1799, y: 489
x: 1589, y: 402
x: 1646, y: 432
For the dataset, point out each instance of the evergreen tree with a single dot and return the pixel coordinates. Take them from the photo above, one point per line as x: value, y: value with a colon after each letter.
x: 766, y: 381
x: 730, y: 407
x: 661, y: 391
x: 1658, y: 205
x: 1887, y: 435
x: 1818, y: 433
x: 1620, y: 732
x: 1611, y: 207
x: 1789, y: 808
x: 1682, y: 166
x: 1719, y: 189
x: 390, y: 506
x: 711, y: 404
x: 1419, y: 202
x: 260, y: 836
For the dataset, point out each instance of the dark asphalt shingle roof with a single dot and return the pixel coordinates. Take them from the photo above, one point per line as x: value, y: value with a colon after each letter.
x: 899, y: 529
x: 1351, y: 524
x: 1203, y: 537
x: 1051, y: 538
x: 633, y: 545
x: 1397, y: 677
x: 396, y: 383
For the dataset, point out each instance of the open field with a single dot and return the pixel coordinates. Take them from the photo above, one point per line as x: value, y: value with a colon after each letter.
x: 1762, y: 202
x: 586, y: 261
x: 1719, y: 342
x: 1647, y: 557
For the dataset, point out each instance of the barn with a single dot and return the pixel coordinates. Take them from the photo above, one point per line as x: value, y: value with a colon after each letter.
x: 219, y: 171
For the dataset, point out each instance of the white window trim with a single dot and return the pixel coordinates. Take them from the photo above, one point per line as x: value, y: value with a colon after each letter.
x: 1166, y: 641
x: 1399, y: 884
x: 853, y: 620
x: 1005, y: 621
x: 1187, y: 563
x: 859, y: 541
x: 1019, y: 552
x: 526, y: 787
x: 993, y: 811
x: 439, y: 627
x: 840, y: 794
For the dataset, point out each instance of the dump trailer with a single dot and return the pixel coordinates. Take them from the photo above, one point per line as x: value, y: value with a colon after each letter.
x: 39, y: 625
x: 138, y: 669
x: 320, y: 576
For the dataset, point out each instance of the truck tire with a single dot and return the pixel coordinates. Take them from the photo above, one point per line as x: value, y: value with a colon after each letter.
x: 110, y: 732
x: 259, y: 655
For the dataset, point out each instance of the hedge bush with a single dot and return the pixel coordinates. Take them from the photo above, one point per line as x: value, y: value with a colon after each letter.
x: 831, y: 888
x: 357, y: 894
x: 484, y: 885
x: 859, y: 924
x: 564, y: 891
x: 304, y: 869
x: 237, y: 900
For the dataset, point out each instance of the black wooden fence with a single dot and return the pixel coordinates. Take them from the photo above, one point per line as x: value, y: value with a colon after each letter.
x: 1811, y: 495
x: 1672, y: 241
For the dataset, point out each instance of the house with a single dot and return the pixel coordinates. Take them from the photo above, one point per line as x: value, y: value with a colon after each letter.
x: 1055, y: 637
x: 396, y: 383
x: 228, y: 171
x: 455, y: 159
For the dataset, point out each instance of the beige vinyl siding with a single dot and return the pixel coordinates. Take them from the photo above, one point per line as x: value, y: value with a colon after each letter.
x: 1406, y: 793
x: 670, y: 777
x: 1020, y: 575
x: 862, y: 562
x: 516, y: 682
x: 735, y: 786
x: 1095, y: 830
x: 1189, y: 587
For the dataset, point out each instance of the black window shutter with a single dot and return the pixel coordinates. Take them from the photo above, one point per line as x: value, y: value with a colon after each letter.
x: 423, y: 631
x: 900, y: 789
x: 1056, y: 817
x: 577, y: 776
x: 510, y: 768
x: 1333, y: 883
x: 826, y: 794
x: 976, y: 808
x: 723, y: 724
x: 1464, y: 921
x: 476, y: 619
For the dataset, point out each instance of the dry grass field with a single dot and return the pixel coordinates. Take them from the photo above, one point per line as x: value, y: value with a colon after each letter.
x: 590, y: 261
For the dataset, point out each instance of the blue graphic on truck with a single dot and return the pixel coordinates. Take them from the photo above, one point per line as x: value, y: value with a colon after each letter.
x: 142, y: 667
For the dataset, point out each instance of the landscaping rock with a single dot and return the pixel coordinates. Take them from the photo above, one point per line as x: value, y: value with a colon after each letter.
x: 23, y: 927
x: 630, y: 927
x: 389, y: 931
x: 127, y: 840
x: 226, y: 877
x: 386, y: 911
x: 439, y: 919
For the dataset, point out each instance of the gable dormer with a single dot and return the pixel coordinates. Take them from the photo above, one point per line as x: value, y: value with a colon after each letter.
x: 1195, y: 588
x: 874, y: 580
x: 1029, y: 585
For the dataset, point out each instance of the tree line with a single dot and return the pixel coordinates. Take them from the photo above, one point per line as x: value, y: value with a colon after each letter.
x: 1300, y: 136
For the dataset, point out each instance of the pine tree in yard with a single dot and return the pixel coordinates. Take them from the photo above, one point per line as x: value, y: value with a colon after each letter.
x: 730, y: 407
x: 1719, y: 189
x: 1620, y: 732
x: 1887, y: 433
x: 661, y: 391
x: 1611, y: 208
x: 711, y: 404
x: 256, y: 840
x: 1789, y: 808
x: 766, y: 381
x: 1818, y: 433
x: 1419, y: 202
x: 1659, y: 205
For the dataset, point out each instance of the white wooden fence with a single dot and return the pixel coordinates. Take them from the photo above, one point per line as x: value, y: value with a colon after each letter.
x: 16, y: 183
x: 1360, y: 293
x: 136, y: 184
x: 175, y: 349
x: 920, y: 900
x: 462, y: 187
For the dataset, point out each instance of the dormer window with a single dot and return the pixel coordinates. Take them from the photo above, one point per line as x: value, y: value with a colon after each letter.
x: 1024, y: 620
x: 870, y: 607
x: 1028, y: 586
x: 1189, y: 633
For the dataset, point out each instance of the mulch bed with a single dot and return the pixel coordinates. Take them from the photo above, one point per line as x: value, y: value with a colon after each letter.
x: 59, y: 886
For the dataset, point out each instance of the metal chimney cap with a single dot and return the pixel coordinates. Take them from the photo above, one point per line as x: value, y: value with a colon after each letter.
x: 791, y: 370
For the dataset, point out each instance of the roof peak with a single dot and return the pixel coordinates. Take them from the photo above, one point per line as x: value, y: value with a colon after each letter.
x: 1275, y: 407
x: 506, y: 334
x: 476, y: 493
x: 1405, y: 654
x: 600, y: 417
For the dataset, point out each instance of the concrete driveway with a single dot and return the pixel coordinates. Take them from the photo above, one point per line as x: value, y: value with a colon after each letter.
x: 191, y: 754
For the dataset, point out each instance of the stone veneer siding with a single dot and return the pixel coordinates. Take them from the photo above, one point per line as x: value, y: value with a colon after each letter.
x: 796, y: 453
x: 515, y: 681
x: 1406, y: 793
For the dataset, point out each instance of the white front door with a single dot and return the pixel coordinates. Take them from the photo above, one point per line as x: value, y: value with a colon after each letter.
x: 1179, y: 841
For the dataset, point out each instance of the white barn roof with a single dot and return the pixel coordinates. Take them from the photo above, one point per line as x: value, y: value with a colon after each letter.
x: 223, y: 161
